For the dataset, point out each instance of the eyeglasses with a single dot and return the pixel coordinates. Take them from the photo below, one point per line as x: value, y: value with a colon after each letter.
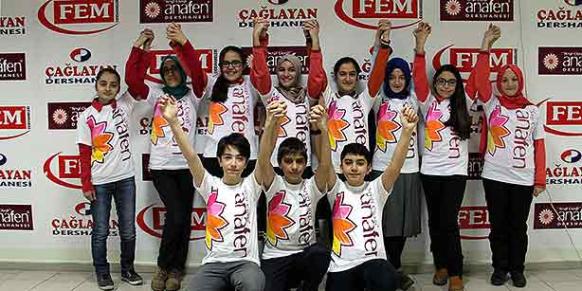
x: 442, y: 82
x: 233, y: 64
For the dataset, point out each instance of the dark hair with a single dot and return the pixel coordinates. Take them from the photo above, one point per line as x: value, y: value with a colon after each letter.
x: 220, y: 88
x: 291, y: 146
x: 109, y: 70
x: 237, y: 141
x: 358, y: 150
x: 346, y: 60
x: 459, y: 121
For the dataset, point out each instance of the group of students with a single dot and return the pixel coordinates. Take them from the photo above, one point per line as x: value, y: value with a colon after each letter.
x: 375, y: 196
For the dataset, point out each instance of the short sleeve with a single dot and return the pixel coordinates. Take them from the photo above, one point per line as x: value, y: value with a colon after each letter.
x: 254, y: 186
x: 83, y: 131
x: 126, y: 101
x: 377, y: 187
x: 538, y: 132
x: 153, y: 94
x: 312, y: 188
x: 277, y: 184
x: 328, y: 95
x: 206, y: 185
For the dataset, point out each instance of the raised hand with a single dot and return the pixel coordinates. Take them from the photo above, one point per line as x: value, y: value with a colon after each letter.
x: 169, y: 108
x: 260, y: 27
x: 383, y: 31
x: 421, y: 33
x: 408, y: 119
x: 311, y: 31
x: 491, y: 35
x: 318, y: 117
x: 174, y: 34
x: 145, y: 39
x: 276, y: 110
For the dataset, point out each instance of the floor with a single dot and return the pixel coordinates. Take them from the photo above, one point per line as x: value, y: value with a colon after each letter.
x: 559, y: 280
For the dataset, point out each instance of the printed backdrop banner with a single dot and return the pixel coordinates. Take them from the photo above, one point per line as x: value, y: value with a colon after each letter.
x: 51, y: 51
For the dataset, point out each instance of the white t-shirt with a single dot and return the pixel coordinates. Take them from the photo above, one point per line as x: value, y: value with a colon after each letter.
x: 388, y: 130
x: 107, y: 132
x: 357, y: 224
x: 443, y: 152
x: 347, y: 121
x: 165, y: 154
x: 296, y: 123
x: 290, y: 217
x: 511, y: 133
x: 236, y: 114
x: 231, y: 219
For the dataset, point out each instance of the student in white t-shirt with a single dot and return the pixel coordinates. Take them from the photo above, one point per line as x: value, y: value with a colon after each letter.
x: 445, y: 157
x: 515, y: 163
x: 358, y: 257
x: 291, y: 256
x: 107, y: 173
x: 232, y: 260
x: 167, y: 165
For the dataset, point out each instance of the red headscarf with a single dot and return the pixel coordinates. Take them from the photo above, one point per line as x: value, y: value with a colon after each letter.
x: 517, y: 100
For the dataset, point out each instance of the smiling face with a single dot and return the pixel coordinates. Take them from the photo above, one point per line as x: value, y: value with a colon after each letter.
x: 397, y: 81
x: 355, y: 168
x: 232, y: 163
x: 509, y: 83
x: 232, y: 66
x: 171, y: 73
x: 445, y: 84
x: 346, y: 78
x: 107, y: 87
x: 287, y: 74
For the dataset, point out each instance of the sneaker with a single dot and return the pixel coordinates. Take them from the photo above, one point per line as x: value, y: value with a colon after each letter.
x: 440, y: 277
x: 131, y: 277
x: 159, y: 280
x: 518, y: 279
x: 499, y: 277
x: 105, y: 282
x: 174, y: 280
x: 456, y: 283
x: 405, y: 281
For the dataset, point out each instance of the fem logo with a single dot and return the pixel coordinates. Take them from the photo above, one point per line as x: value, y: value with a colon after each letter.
x: 66, y: 16
x: 361, y: 12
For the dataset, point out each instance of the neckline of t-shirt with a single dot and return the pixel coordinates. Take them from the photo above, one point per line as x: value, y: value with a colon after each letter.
x: 356, y: 188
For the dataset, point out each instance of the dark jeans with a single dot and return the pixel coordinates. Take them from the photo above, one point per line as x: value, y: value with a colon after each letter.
x: 444, y: 195
x: 394, y: 246
x: 176, y: 190
x: 123, y: 192
x: 374, y: 275
x: 304, y: 270
x: 508, y: 206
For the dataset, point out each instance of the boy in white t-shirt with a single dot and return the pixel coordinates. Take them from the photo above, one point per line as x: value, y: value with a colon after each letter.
x: 291, y: 256
x: 232, y: 259
x: 358, y: 257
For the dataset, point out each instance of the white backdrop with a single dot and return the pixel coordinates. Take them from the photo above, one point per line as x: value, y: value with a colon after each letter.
x: 50, y: 53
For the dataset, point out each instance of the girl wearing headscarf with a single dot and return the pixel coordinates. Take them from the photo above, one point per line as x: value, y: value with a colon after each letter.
x: 515, y: 162
x: 168, y: 167
x: 402, y: 210
x: 284, y: 257
x: 445, y: 157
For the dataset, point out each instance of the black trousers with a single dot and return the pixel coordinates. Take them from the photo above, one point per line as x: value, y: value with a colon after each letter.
x: 303, y: 270
x: 508, y: 206
x: 374, y: 275
x: 444, y: 195
x: 176, y: 190
x: 394, y: 246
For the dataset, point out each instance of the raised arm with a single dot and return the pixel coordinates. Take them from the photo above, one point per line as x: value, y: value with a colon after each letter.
x: 317, y: 79
x: 260, y: 76
x: 264, y: 173
x: 409, y: 119
x: 377, y: 75
x: 478, y: 84
x: 137, y: 65
x: 170, y: 112
x: 324, y: 175
x: 188, y: 56
x: 419, y: 76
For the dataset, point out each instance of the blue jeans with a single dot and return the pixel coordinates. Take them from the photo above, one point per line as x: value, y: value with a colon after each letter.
x: 123, y: 192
